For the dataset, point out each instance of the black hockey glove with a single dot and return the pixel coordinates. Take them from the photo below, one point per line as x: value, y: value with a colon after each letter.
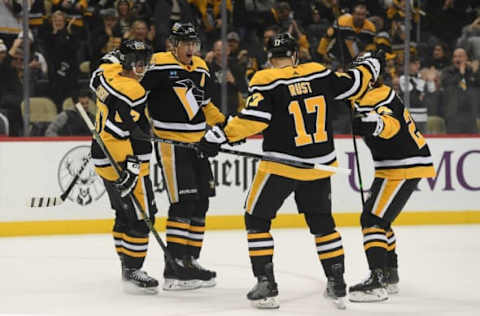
x: 370, y: 124
x: 129, y: 176
x: 210, y: 144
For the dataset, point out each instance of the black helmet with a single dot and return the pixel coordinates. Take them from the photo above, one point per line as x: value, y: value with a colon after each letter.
x: 282, y: 45
x: 183, y: 32
x: 132, y: 52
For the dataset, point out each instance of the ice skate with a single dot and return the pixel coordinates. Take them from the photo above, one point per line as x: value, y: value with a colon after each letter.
x: 136, y: 281
x: 336, y: 287
x: 180, y: 278
x: 392, y: 279
x: 370, y: 290
x: 264, y: 293
x: 210, y: 275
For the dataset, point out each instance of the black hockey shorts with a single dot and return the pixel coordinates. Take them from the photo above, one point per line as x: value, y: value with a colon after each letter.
x: 388, y: 197
x: 268, y: 192
x: 186, y: 175
x: 143, y: 192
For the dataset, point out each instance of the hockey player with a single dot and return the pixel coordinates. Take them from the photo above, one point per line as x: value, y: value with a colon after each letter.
x: 180, y: 109
x: 121, y: 102
x: 290, y: 105
x: 401, y: 157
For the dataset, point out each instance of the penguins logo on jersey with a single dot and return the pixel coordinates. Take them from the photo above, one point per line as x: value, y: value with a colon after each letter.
x: 89, y: 186
x: 189, y: 95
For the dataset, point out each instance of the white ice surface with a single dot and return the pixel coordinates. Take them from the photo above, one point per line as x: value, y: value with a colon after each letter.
x: 80, y: 275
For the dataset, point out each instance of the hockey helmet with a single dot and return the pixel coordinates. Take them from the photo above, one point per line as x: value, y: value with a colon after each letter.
x: 135, y: 53
x: 183, y: 32
x: 282, y: 45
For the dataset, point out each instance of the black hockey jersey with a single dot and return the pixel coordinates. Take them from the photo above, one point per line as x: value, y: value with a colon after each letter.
x: 292, y: 106
x: 179, y: 99
x: 121, y: 105
x: 400, y: 151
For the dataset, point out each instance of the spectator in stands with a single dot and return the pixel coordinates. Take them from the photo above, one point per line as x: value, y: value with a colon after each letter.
x: 124, y: 16
x: 107, y: 37
x: 210, y: 12
x: 142, y: 10
x: 10, y: 22
x: 317, y: 27
x: 233, y: 74
x: 69, y: 122
x: 357, y: 34
x: 470, y: 39
x: 239, y: 57
x: 461, y: 84
x: 140, y: 32
x: 61, y: 58
x: 258, y: 57
x: 38, y: 64
x: 3, y: 53
x: 439, y: 58
x: 74, y: 11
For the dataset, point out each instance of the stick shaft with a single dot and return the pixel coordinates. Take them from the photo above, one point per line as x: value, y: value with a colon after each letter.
x: 65, y: 194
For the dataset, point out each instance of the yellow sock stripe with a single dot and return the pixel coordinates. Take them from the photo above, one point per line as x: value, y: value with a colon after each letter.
x: 264, y: 252
x: 331, y: 254
x: 391, y: 247
x: 259, y: 235
x: 136, y: 240
x: 131, y: 253
x: 375, y: 244
x: 373, y: 230
x: 177, y: 240
x: 326, y: 238
x: 197, y: 229
x: 194, y: 243
x: 178, y: 225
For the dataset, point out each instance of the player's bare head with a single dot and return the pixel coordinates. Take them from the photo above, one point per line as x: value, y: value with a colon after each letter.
x: 185, y: 41
x: 282, y: 48
x: 135, y: 57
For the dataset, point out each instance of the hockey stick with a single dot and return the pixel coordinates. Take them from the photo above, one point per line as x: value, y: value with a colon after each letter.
x: 296, y: 163
x: 58, y: 200
x: 354, y: 140
x: 118, y: 171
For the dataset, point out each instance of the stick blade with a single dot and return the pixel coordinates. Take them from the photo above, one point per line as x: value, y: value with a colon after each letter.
x: 44, y: 201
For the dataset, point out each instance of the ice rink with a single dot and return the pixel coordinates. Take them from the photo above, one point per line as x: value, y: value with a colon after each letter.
x: 80, y: 275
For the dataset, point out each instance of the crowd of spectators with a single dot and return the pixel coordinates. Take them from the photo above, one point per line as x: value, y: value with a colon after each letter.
x: 67, y: 38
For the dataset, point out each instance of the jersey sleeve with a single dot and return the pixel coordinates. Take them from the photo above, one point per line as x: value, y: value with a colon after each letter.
x: 351, y: 85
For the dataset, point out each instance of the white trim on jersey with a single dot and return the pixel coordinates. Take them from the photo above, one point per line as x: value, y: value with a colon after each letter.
x: 321, y: 160
x: 180, y: 126
x: 388, y: 100
x: 354, y: 88
x: 178, y: 67
x: 145, y: 157
x: 322, y: 74
x: 404, y: 162
x: 116, y: 129
x: 122, y: 97
x: 261, y: 114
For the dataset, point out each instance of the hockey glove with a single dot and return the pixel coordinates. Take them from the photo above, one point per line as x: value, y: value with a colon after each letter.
x: 373, y: 62
x: 370, y: 124
x: 129, y: 176
x: 210, y: 144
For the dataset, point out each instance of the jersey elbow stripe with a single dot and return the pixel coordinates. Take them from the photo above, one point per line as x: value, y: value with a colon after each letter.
x: 402, y: 163
x: 115, y: 130
x: 357, y: 83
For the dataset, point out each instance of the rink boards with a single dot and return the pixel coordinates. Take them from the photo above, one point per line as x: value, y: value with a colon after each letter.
x: 45, y: 167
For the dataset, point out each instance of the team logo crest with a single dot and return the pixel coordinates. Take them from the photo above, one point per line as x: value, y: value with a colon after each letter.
x: 89, y: 186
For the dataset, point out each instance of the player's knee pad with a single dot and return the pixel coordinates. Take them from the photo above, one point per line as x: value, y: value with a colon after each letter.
x: 257, y: 224
x: 320, y: 223
x: 368, y: 219
x: 182, y: 209
x: 201, y: 207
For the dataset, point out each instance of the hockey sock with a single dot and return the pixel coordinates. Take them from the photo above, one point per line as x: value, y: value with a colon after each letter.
x: 391, y: 253
x: 260, y: 250
x: 131, y: 249
x: 329, y: 250
x: 375, y: 246
x: 177, y: 236
x: 195, y: 236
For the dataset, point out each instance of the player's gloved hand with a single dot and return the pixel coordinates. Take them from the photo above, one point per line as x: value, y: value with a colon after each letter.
x: 367, y: 124
x: 129, y: 176
x: 222, y: 126
x: 210, y: 144
x: 374, y: 62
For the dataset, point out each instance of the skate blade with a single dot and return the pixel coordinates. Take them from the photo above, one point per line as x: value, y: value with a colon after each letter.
x: 338, y: 302
x: 132, y: 289
x: 376, y: 295
x: 181, y: 285
x: 266, y: 303
x: 209, y: 283
x: 392, y: 289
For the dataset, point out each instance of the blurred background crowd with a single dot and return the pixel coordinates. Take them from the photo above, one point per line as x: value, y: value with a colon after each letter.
x: 67, y: 38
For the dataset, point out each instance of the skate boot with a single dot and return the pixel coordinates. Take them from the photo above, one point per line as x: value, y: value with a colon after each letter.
x: 136, y: 281
x: 180, y: 278
x: 370, y: 290
x: 210, y: 276
x: 264, y: 293
x: 391, y: 279
x: 336, y: 287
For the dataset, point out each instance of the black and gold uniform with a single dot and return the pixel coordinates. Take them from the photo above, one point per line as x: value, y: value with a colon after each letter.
x: 291, y: 107
x: 355, y: 39
x: 121, y: 107
x: 401, y: 158
x: 179, y: 103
